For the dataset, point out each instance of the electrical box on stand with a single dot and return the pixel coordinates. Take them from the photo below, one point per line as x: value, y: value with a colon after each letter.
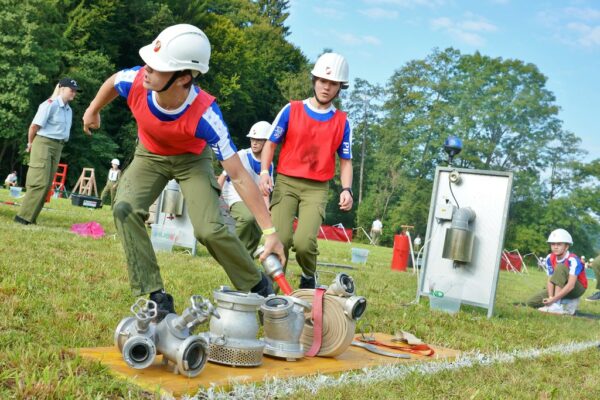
x: 444, y: 210
x: 465, y: 235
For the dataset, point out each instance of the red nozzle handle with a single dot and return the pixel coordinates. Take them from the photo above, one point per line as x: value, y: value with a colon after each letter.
x: 283, y: 284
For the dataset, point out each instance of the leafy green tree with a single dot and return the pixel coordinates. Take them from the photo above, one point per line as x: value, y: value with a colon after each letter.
x: 30, y: 48
x: 276, y: 13
x: 363, y: 105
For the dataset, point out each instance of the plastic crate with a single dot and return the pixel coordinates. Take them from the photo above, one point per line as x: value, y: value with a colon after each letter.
x: 80, y: 200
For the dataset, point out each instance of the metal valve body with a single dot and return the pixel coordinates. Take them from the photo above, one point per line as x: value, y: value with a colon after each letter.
x: 135, y: 336
x: 283, y: 324
x: 175, y: 342
x: 232, y: 338
x: 140, y: 339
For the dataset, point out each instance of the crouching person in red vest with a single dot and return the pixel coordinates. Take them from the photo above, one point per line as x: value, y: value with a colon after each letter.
x: 178, y: 125
x: 566, y: 277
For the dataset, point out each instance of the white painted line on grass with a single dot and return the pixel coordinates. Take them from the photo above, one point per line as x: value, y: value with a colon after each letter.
x: 280, y: 388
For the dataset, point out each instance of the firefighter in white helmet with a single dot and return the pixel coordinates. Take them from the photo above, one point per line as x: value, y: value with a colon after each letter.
x: 178, y: 124
x: 246, y: 227
x: 311, y: 131
x: 566, y: 277
x: 110, y: 189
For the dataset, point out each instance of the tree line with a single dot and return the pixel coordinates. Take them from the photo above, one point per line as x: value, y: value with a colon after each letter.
x: 501, y: 108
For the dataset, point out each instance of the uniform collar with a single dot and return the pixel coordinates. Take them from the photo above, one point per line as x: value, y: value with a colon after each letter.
x: 61, y: 102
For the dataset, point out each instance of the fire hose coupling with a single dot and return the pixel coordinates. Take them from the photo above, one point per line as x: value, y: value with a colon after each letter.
x: 135, y: 336
x: 175, y: 342
x: 283, y: 323
x: 355, y: 307
x: 343, y: 286
x: 140, y: 339
x: 274, y: 269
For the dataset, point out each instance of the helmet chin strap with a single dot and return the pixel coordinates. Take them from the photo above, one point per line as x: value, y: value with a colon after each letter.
x: 324, y: 103
x: 175, y: 75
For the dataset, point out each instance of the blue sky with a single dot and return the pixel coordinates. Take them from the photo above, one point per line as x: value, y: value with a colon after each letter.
x: 379, y: 36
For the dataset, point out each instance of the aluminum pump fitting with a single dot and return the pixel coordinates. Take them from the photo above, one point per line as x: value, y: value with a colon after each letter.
x: 135, y: 336
x: 232, y: 339
x: 283, y: 321
x: 343, y: 286
x: 176, y: 343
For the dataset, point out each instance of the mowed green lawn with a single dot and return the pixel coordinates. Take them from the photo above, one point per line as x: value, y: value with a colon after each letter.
x: 60, y: 291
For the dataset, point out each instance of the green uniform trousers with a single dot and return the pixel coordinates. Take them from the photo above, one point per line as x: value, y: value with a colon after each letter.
x: 307, y: 200
x: 110, y: 190
x: 43, y: 161
x: 246, y: 227
x: 558, y: 278
x: 141, y: 183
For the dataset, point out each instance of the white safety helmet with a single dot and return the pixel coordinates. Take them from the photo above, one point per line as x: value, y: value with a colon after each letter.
x: 560, y: 236
x: 177, y: 48
x: 260, y: 130
x: 115, y: 161
x: 333, y: 67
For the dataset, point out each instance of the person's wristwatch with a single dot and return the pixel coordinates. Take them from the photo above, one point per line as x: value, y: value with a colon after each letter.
x: 349, y: 190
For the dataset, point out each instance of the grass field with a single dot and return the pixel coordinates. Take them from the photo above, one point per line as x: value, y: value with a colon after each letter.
x: 59, y: 291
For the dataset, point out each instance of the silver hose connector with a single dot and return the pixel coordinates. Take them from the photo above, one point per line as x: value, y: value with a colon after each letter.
x: 283, y: 323
x: 355, y: 307
x: 342, y: 285
x: 176, y: 343
x: 232, y: 338
x: 135, y: 336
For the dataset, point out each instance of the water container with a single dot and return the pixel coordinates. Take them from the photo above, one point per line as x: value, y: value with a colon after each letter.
x: 15, y: 191
x: 445, y: 293
x: 359, y: 256
x: 163, y: 237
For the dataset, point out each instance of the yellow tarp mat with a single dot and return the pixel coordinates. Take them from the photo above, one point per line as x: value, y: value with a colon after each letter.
x: 161, y: 378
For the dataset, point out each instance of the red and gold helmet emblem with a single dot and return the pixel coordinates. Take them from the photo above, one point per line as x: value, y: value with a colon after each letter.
x: 157, y: 46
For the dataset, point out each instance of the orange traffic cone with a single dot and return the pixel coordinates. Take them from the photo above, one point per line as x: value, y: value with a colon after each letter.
x: 401, y: 252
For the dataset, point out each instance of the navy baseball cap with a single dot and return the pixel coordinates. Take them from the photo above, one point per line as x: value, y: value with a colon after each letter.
x: 68, y: 82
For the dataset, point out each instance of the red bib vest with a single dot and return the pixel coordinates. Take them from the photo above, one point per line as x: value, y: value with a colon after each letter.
x: 582, y: 278
x: 309, y: 146
x: 167, y: 138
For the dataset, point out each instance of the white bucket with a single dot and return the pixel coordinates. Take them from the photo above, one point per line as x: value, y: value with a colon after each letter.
x: 15, y: 191
x: 445, y: 293
x: 163, y: 237
x: 359, y: 256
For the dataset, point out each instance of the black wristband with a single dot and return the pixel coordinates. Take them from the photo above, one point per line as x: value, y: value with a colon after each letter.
x: 349, y: 190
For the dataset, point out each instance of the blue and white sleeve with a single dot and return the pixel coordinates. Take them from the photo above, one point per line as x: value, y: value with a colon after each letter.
x: 213, y: 129
x: 575, y: 267
x: 43, y: 111
x: 280, y: 126
x: 124, y: 80
x: 549, y: 269
x: 345, y: 149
